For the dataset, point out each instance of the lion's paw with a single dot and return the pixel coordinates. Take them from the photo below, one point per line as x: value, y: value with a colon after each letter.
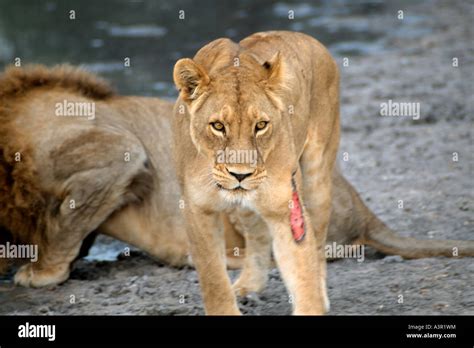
x: 244, y: 286
x: 28, y: 276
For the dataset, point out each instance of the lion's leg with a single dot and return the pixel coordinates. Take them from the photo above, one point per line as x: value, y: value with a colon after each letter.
x: 317, y: 168
x: 234, y: 242
x: 53, y: 264
x: 64, y: 236
x: 299, y: 267
x: 208, y: 253
x: 296, y: 258
x: 162, y: 237
x: 253, y: 276
x: 317, y: 186
x: 91, y: 190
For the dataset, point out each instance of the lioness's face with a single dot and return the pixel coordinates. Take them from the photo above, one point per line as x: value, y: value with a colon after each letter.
x: 237, y: 138
x: 233, y: 122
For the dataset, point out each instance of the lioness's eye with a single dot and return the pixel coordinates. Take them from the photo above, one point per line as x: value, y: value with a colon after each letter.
x: 217, y: 126
x: 261, y: 125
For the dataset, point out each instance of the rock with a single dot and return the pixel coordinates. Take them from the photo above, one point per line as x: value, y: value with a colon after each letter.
x: 392, y: 259
x: 44, y: 309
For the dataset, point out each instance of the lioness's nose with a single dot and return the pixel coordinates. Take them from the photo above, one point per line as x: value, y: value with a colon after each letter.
x: 240, y: 176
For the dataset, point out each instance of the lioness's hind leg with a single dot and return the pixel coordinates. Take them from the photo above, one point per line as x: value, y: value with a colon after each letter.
x: 258, y: 241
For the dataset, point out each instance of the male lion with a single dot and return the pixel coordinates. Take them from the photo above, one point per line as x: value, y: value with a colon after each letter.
x: 64, y: 178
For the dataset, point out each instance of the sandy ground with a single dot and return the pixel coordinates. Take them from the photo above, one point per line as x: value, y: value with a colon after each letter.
x: 390, y: 159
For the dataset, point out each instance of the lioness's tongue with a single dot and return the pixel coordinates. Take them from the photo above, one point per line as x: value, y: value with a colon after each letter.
x: 296, y: 217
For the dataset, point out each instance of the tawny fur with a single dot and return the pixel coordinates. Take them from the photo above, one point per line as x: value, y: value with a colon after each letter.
x: 290, y: 80
x: 146, y: 210
x: 63, y: 159
x: 22, y: 202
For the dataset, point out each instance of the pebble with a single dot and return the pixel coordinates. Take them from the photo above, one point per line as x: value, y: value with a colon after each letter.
x: 44, y: 309
x: 392, y: 259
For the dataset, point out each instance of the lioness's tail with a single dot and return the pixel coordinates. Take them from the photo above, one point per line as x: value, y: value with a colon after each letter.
x: 381, y: 237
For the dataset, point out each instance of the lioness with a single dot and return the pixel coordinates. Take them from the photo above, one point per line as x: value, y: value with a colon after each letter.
x: 64, y: 178
x: 275, y: 94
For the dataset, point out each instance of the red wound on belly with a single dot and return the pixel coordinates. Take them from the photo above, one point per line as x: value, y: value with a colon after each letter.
x: 296, y: 217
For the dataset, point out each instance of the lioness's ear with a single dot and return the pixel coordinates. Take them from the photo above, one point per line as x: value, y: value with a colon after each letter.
x: 275, y: 70
x: 277, y: 83
x: 189, y: 78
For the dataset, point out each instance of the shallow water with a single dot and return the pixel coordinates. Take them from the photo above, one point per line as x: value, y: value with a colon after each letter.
x: 153, y: 36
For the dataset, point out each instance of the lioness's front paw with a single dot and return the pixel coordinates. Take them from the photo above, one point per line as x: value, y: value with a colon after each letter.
x: 28, y: 276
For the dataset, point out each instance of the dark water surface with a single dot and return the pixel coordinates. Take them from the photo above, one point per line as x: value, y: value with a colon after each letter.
x: 153, y: 36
